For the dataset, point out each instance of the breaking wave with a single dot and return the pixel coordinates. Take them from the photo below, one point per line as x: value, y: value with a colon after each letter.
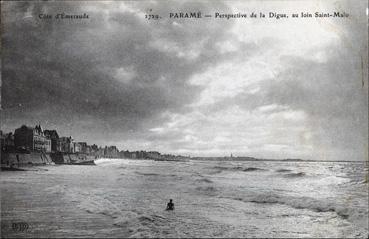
x: 221, y: 168
x: 307, y: 203
x: 158, y: 175
x: 204, y: 180
x: 252, y: 169
x: 283, y: 170
x: 295, y: 175
x: 238, y: 168
x: 148, y: 174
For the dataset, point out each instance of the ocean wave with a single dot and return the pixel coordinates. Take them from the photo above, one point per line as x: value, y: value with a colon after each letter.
x: 57, y: 189
x: 295, y: 175
x: 283, y: 170
x: 151, y: 218
x: 204, y: 180
x: 140, y: 225
x: 158, y: 175
x: 252, y: 169
x: 107, y: 161
x: 88, y: 201
x: 238, y: 168
x: 307, y: 203
x: 125, y: 219
x: 221, y: 168
x: 215, y: 172
x: 208, y: 190
x: 148, y: 174
x: 100, y: 205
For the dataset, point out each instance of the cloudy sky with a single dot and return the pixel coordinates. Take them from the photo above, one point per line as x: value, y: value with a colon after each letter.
x: 286, y: 88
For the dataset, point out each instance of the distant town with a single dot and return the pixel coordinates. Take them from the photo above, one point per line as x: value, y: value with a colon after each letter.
x: 50, y: 146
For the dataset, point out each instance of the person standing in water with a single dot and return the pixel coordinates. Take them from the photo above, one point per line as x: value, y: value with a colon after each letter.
x: 170, y: 205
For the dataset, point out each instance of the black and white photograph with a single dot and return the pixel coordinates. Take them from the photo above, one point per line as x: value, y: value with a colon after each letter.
x: 184, y: 119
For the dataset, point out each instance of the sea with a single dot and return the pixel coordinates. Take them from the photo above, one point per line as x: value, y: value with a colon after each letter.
x: 128, y: 198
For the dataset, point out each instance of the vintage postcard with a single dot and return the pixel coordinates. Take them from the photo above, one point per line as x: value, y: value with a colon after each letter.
x: 184, y: 119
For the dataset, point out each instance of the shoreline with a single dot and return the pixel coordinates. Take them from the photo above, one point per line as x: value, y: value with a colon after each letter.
x: 25, y: 161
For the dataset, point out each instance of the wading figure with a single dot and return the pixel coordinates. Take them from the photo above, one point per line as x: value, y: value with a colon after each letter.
x: 170, y: 205
x: 18, y: 161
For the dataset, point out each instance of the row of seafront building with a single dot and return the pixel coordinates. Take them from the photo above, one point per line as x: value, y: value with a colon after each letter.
x: 28, y: 139
x: 36, y: 139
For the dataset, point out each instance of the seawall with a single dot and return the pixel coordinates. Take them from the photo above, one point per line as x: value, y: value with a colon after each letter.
x: 24, y: 159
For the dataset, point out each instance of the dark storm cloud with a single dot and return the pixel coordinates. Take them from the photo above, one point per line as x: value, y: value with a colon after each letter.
x: 63, y: 71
